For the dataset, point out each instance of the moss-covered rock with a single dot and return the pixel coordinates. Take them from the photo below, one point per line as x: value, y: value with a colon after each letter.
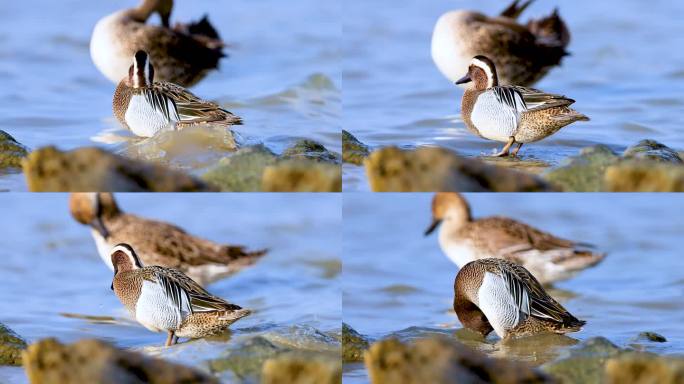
x: 586, y: 361
x: 11, y: 346
x: 94, y: 361
x: 302, y: 368
x: 442, y: 360
x: 311, y: 150
x: 584, y: 172
x: 93, y: 169
x: 644, y: 176
x: 256, y: 169
x: 243, y: 171
x: 353, y: 344
x: 652, y: 150
x: 302, y: 176
x: 644, y: 369
x: 11, y: 152
x: 430, y: 169
x: 353, y: 151
x: 246, y: 359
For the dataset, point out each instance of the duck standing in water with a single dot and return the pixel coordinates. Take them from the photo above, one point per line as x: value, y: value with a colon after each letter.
x: 510, y: 113
x: 166, y: 300
x: 522, y: 53
x: 495, y: 294
x: 183, y: 55
x: 147, y: 107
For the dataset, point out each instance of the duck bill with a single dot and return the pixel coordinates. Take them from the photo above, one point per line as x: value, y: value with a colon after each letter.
x: 433, y: 226
x: 98, y: 225
x: 463, y: 80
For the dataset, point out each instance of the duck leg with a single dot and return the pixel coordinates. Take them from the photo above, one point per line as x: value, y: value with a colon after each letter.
x: 515, y: 151
x: 171, y: 339
x: 506, y: 148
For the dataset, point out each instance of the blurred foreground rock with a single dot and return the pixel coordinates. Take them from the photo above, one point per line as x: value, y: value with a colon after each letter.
x: 353, y: 344
x: 441, y: 360
x: 305, y: 167
x: 94, y: 169
x: 430, y: 169
x: 645, y: 369
x: 94, y: 361
x: 353, y: 151
x: 302, y: 368
x: 647, y: 166
x: 11, y: 152
x: 11, y: 346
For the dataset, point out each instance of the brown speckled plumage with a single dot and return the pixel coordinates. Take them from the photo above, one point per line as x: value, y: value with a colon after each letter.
x: 546, y: 314
x: 164, y: 244
x: 203, y: 314
x: 548, y: 257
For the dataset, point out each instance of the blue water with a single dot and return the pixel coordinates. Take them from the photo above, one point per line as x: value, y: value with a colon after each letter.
x: 625, y: 71
x: 50, y: 266
x: 395, y: 278
x: 282, y: 75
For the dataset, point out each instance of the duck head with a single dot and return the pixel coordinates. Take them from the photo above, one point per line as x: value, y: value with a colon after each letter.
x: 141, y: 73
x: 91, y: 208
x: 143, y: 11
x: 482, y: 73
x: 124, y: 259
x: 449, y: 206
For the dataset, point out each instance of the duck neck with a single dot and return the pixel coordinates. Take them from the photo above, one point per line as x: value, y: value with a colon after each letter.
x: 468, y: 313
x: 143, y: 11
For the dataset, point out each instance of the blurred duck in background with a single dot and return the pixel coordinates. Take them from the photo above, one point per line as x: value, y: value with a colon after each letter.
x: 522, y: 53
x: 183, y: 54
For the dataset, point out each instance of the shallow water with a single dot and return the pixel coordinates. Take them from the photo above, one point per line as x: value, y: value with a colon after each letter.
x: 625, y: 71
x: 397, y: 280
x: 50, y: 270
x: 282, y: 76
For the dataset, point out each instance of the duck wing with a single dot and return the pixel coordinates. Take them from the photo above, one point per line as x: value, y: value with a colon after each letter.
x: 532, y: 99
x: 192, y: 109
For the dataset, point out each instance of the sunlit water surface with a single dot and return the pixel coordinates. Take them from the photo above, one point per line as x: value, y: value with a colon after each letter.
x: 395, y: 279
x: 625, y: 71
x: 50, y: 269
x: 282, y: 76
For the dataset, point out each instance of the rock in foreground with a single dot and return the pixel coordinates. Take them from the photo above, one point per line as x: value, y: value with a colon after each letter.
x: 353, y: 344
x: 93, y: 169
x: 302, y: 176
x: 11, y: 346
x: 441, y: 360
x: 298, y: 368
x: 353, y: 151
x: 645, y: 369
x: 430, y: 169
x: 11, y: 152
x: 94, y: 361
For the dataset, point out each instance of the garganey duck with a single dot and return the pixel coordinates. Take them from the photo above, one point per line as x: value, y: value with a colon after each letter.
x: 183, y: 55
x: 523, y: 53
x: 510, y: 113
x: 158, y: 243
x: 147, y: 107
x: 464, y: 239
x: 166, y: 300
x: 495, y: 294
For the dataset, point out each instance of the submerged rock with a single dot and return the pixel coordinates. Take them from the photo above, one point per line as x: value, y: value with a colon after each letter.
x: 302, y: 176
x: 256, y: 169
x: 246, y: 360
x: 302, y: 368
x: 586, y: 361
x: 652, y: 336
x: 94, y: 169
x: 353, y: 344
x: 442, y: 360
x: 644, y: 369
x: 584, y: 172
x: 11, y: 152
x: 312, y: 150
x: 430, y: 169
x: 353, y: 151
x: 644, y: 176
x: 11, y: 346
x: 94, y: 361
x: 652, y: 150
